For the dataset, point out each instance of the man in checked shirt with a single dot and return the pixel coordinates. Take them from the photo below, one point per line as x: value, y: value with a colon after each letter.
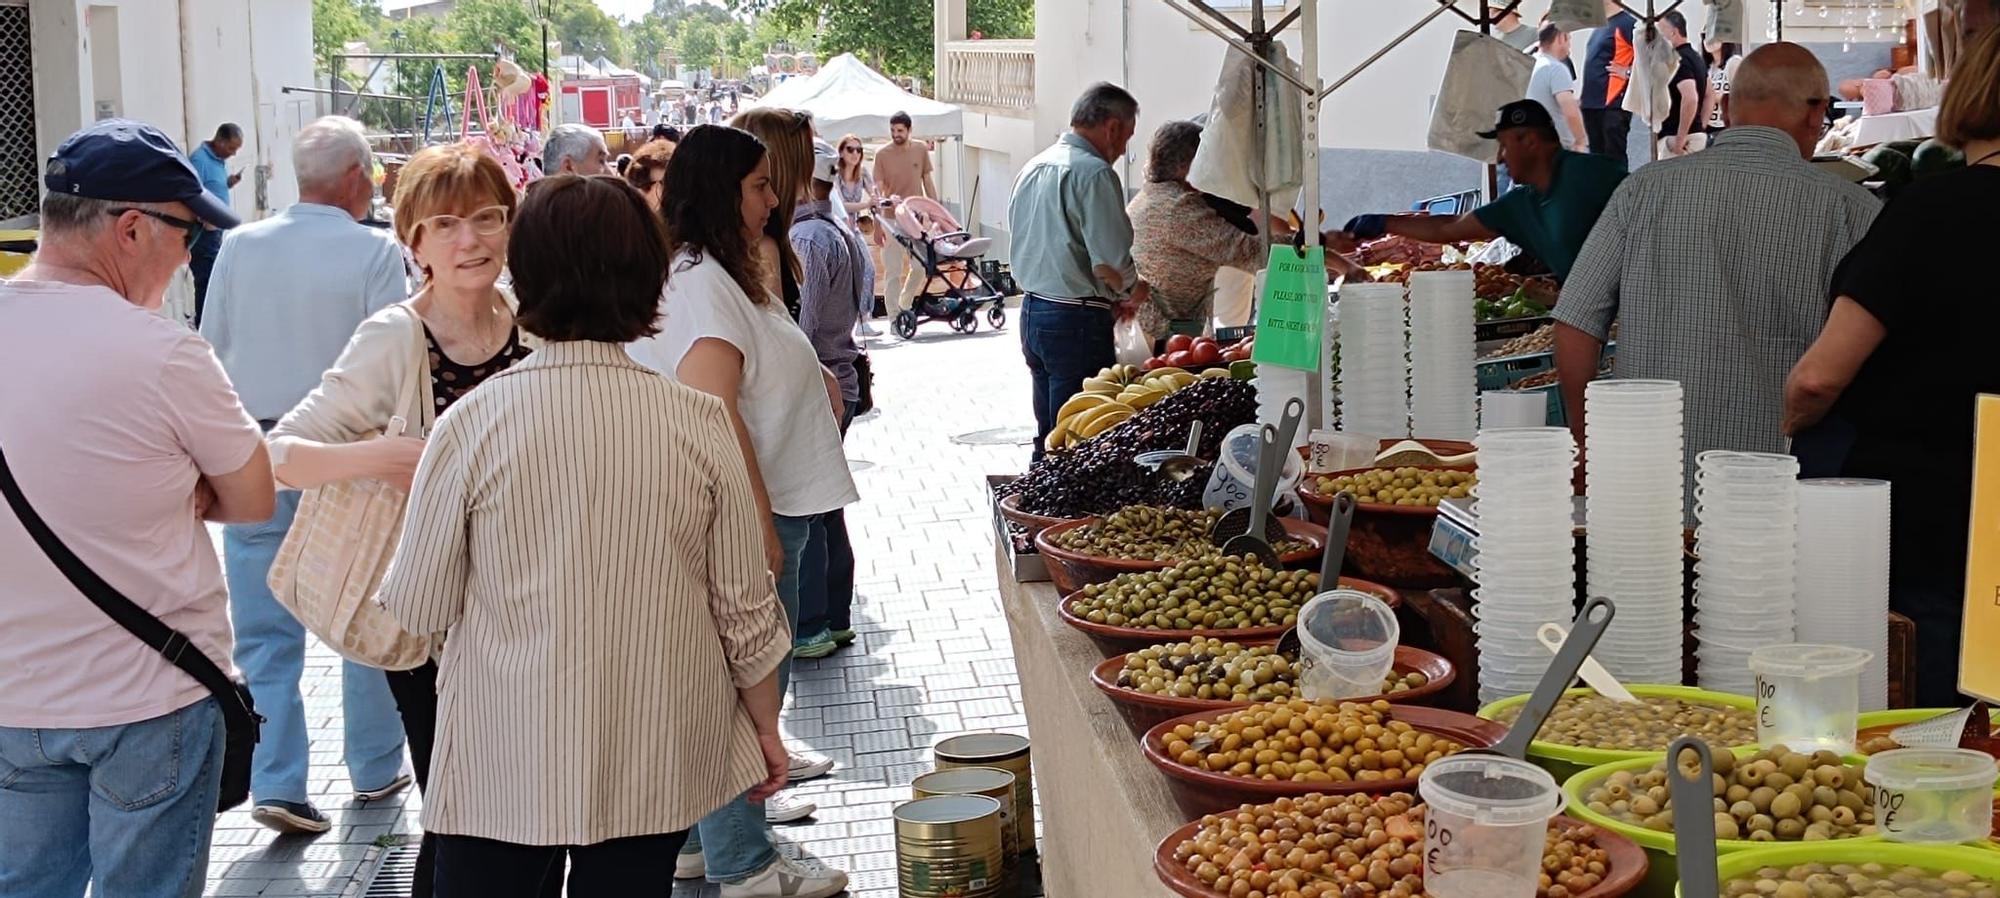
x: 1716, y: 266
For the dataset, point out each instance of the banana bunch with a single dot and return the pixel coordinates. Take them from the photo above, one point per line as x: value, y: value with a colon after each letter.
x: 1115, y: 394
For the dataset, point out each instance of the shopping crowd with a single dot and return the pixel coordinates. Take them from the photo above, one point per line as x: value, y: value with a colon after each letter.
x: 559, y: 472
x: 1798, y: 313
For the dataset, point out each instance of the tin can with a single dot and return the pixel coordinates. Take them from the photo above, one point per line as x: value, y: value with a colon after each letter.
x: 1008, y: 752
x: 991, y: 782
x: 949, y: 846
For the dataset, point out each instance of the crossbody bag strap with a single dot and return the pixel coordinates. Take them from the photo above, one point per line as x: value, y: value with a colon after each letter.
x: 415, y: 402
x: 169, y: 642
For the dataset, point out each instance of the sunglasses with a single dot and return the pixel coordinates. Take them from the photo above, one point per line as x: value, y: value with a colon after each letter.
x: 190, y: 230
x: 485, y: 222
x: 850, y: 149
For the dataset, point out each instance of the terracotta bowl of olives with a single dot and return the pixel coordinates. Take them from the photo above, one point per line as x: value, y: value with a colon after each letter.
x: 1219, y: 759
x: 1071, y: 570
x: 1150, y: 689
x: 1219, y: 599
x: 1390, y: 542
x: 1579, y: 860
x: 1010, y: 509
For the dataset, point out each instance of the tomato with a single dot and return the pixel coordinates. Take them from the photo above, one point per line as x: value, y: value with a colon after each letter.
x: 1203, y: 341
x: 1206, y: 353
x: 1153, y: 363
x: 1181, y: 359
x: 1179, y: 343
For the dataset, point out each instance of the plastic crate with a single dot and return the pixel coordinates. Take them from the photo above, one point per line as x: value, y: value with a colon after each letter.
x: 1509, y: 328
x: 1497, y: 374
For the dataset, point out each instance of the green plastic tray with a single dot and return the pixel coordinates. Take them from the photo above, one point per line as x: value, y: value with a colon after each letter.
x: 1576, y: 756
x: 1580, y: 784
x: 1978, y: 862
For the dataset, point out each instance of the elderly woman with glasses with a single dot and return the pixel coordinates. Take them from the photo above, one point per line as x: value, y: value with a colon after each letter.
x: 453, y: 207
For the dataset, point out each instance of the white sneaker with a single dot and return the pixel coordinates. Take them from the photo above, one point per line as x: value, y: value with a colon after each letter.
x: 805, y: 767
x: 690, y: 865
x: 786, y: 878
x: 401, y: 782
x: 867, y: 330
x: 779, y: 809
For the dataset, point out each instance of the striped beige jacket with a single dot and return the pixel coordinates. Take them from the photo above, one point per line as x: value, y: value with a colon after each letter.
x: 584, y: 529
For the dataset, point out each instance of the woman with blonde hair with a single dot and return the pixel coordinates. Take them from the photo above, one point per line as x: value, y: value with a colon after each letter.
x: 724, y: 334
x: 1890, y: 388
x: 453, y: 207
x: 787, y: 136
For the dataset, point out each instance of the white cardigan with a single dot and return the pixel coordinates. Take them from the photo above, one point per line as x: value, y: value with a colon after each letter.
x: 358, y: 395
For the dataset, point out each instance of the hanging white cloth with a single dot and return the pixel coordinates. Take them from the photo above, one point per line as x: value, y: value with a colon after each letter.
x: 1225, y: 163
x: 1483, y: 75
x: 1653, y: 63
x: 1725, y: 21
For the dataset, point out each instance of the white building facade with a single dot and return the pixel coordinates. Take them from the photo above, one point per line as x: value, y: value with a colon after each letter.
x: 184, y: 66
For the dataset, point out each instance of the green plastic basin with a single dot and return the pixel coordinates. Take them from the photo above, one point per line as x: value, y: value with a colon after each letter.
x: 1978, y: 862
x: 1565, y: 761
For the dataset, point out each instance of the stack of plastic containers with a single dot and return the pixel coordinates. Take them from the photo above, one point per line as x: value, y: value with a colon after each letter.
x: 1525, y: 561
x: 1747, y: 506
x: 1842, y: 574
x: 1443, y: 383
x: 1634, y: 521
x: 1374, y: 361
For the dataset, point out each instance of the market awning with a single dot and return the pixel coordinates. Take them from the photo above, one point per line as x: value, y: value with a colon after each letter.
x: 848, y: 97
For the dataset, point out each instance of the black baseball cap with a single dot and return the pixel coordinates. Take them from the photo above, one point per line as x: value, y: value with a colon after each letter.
x: 1521, y: 114
x: 124, y: 160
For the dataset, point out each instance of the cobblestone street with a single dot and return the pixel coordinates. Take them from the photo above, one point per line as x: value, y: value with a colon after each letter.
x: 933, y: 658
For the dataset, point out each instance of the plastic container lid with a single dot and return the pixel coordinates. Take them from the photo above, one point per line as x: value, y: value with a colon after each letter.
x: 1491, y: 790
x: 1931, y: 769
x: 946, y: 809
x: 1809, y: 662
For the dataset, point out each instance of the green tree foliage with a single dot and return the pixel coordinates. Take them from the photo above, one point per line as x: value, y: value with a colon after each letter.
x: 893, y: 35
x: 700, y: 44
x: 487, y: 26
x: 335, y: 22
x: 585, y: 30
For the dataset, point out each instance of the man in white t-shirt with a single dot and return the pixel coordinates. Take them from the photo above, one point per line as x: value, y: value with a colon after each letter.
x: 124, y: 435
x: 1554, y: 87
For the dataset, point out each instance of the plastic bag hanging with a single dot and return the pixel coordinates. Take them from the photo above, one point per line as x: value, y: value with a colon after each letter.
x: 1725, y: 21
x: 1483, y: 75
x: 1225, y: 163
x: 1574, y: 15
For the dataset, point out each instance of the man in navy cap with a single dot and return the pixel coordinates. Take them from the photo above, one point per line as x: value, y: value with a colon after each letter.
x: 1558, y: 196
x: 124, y: 436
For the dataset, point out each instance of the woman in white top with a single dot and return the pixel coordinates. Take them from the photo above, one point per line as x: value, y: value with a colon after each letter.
x: 723, y: 333
x: 453, y: 206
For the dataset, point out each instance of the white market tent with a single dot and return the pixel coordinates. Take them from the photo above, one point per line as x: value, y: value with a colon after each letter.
x: 846, y: 96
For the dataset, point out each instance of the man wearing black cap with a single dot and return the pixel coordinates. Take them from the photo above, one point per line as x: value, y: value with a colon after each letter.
x: 1558, y: 198
x: 123, y: 435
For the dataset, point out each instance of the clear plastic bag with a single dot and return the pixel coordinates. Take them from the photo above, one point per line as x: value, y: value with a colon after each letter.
x: 1129, y: 342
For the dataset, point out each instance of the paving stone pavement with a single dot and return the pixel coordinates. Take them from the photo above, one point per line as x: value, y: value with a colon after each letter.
x: 933, y: 658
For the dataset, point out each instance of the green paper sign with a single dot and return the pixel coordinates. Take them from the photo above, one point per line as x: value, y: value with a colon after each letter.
x: 1292, y: 309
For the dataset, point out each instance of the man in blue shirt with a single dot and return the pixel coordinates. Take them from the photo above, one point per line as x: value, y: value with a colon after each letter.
x: 1549, y: 215
x: 211, y: 163
x: 287, y: 293
x: 1072, y: 250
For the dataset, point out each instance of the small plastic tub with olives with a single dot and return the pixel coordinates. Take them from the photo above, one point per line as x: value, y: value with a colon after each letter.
x: 1558, y: 752
x: 1858, y: 868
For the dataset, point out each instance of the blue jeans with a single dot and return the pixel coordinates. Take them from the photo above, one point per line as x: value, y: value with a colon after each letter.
x: 271, y: 652
x: 201, y: 262
x: 1063, y: 345
x: 826, y: 580
x: 126, y: 809
x: 737, y: 841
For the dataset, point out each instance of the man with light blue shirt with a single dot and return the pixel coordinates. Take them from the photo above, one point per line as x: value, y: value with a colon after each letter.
x: 1072, y: 250
x: 286, y: 294
x: 211, y: 163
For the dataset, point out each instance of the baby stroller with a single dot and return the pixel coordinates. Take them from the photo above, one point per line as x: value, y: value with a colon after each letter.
x: 953, y: 291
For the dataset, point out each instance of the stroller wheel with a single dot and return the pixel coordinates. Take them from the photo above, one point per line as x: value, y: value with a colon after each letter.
x: 905, y: 324
x: 967, y: 322
x: 997, y: 316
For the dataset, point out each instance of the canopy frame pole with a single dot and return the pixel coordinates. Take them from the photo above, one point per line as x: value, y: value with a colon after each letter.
x: 1393, y: 43
x: 1246, y: 46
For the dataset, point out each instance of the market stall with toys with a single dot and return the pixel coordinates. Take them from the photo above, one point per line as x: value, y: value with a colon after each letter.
x: 1344, y: 606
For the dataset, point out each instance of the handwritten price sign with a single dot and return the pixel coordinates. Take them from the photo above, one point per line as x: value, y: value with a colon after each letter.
x: 1291, y: 309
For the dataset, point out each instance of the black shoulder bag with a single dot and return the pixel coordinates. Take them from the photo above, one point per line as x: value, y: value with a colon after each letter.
x: 239, y: 712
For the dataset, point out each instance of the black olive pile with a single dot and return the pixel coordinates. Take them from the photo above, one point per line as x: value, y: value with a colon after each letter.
x: 1099, y: 476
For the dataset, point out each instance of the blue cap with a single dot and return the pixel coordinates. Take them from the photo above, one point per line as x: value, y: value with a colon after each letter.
x: 123, y: 160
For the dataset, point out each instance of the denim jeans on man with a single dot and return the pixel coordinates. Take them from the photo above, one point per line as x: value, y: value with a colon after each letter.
x: 201, y: 262
x: 271, y: 652
x: 733, y: 839
x: 126, y: 809
x: 1064, y: 344
x: 826, y: 579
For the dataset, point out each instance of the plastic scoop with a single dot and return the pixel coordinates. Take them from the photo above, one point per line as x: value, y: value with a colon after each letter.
x: 1247, y: 531
x: 1338, y: 524
x: 1411, y: 452
x: 1583, y: 635
x: 1553, y: 636
x: 1693, y: 798
x: 1179, y: 465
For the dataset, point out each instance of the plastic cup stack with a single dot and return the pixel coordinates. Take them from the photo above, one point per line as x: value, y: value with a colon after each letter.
x: 1525, y: 562
x: 1842, y: 574
x: 1444, y: 391
x: 1634, y: 522
x: 1374, y: 364
x: 1747, y: 506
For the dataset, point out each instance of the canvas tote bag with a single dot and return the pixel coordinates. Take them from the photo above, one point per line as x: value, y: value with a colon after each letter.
x: 330, y: 567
